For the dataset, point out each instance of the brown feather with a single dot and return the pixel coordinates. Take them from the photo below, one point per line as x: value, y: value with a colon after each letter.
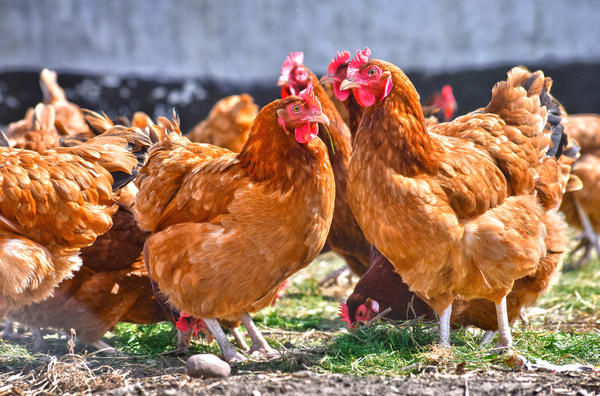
x: 212, y: 252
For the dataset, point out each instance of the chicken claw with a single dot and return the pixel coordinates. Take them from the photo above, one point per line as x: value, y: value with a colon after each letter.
x: 260, y: 346
x: 227, y: 348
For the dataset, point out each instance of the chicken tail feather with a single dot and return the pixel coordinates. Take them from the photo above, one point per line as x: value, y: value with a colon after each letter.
x: 121, y: 151
x: 99, y: 123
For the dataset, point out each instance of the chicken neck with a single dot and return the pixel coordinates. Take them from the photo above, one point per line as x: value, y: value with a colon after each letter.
x: 394, y: 130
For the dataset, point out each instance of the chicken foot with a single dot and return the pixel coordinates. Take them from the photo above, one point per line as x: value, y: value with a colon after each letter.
x: 445, y: 326
x: 259, y: 344
x: 227, y: 348
x: 589, y: 239
x: 104, y: 348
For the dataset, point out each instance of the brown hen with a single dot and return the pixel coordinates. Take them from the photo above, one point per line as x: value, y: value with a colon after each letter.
x: 55, y: 203
x: 228, y: 229
x: 227, y: 124
x: 465, y: 191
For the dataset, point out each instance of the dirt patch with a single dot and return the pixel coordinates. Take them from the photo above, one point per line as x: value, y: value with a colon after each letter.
x: 308, y: 383
x: 74, y: 376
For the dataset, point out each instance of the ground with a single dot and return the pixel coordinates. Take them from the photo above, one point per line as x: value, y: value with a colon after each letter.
x: 319, y: 355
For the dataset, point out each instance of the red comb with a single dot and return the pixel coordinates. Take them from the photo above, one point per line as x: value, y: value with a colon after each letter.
x: 340, y: 59
x: 360, y: 59
x: 293, y: 59
x: 447, y: 93
x: 345, y: 314
x: 308, y: 94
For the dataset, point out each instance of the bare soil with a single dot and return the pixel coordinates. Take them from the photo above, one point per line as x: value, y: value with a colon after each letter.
x: 308, y: 383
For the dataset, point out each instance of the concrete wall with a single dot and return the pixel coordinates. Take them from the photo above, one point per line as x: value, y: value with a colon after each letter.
x: 247, y: 40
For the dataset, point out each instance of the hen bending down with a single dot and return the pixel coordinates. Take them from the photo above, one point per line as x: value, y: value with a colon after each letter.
x: 455, y: 209
x: 228, y: 229
x: 381, y: 287
x: 55, y: 203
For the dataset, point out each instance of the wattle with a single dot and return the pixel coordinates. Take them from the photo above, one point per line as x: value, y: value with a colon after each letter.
x: 364, y: 97
x: 306, y: 133
x: 341, y: 95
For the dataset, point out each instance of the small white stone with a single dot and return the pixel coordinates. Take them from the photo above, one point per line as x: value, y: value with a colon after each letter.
x: 206, y: 366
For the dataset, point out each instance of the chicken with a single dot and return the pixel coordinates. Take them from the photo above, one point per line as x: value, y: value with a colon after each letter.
x: 227, y: 124
x: 467, y: 192
x: 228, y: 229
x: 345, y: 236
x: 580, y: 207
x: 441, y: 105
x: 40, y: 135
x: 585, y: 130
x: 55, y: 203
x: 381, y: 287
x: 111, y: 286
x: 55, y: 119
x: 378, y: 289
x: 69, y: 117
x: 336, y: 73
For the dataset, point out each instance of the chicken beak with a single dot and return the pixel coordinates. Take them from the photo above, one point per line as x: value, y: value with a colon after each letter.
x: 349, y: 84
x: 282, y: 81
x: 327, y: 78
x: 320, y: 118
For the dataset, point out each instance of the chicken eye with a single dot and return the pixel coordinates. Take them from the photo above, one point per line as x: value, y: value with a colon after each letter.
x: 372, y: 72
x: 295, y: 108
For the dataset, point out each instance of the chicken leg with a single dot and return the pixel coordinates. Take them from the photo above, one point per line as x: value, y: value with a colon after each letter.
x: 227, y: 348
x: 445, y: 326
x: 589, y: 239
x: 9, y: 330
x: 505, y: 337
x: 334, y: 277
x: 183, y: 341
x: 259, y: 344
x: 487, y: 337
x: 239, y: 339
x: 38, y: 340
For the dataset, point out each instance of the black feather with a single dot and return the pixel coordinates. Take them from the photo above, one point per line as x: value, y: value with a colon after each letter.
x: 120, y: 178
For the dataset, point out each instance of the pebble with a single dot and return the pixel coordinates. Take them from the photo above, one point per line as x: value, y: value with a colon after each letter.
x: 206, y: 366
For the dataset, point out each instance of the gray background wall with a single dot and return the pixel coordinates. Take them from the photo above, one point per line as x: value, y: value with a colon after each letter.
x: 247, y: 40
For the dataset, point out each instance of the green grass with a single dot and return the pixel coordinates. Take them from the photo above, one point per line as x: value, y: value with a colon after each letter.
x: 304, y: 324
x: 144, y: 339
x: 302, y: 307
x: 577, y: 292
